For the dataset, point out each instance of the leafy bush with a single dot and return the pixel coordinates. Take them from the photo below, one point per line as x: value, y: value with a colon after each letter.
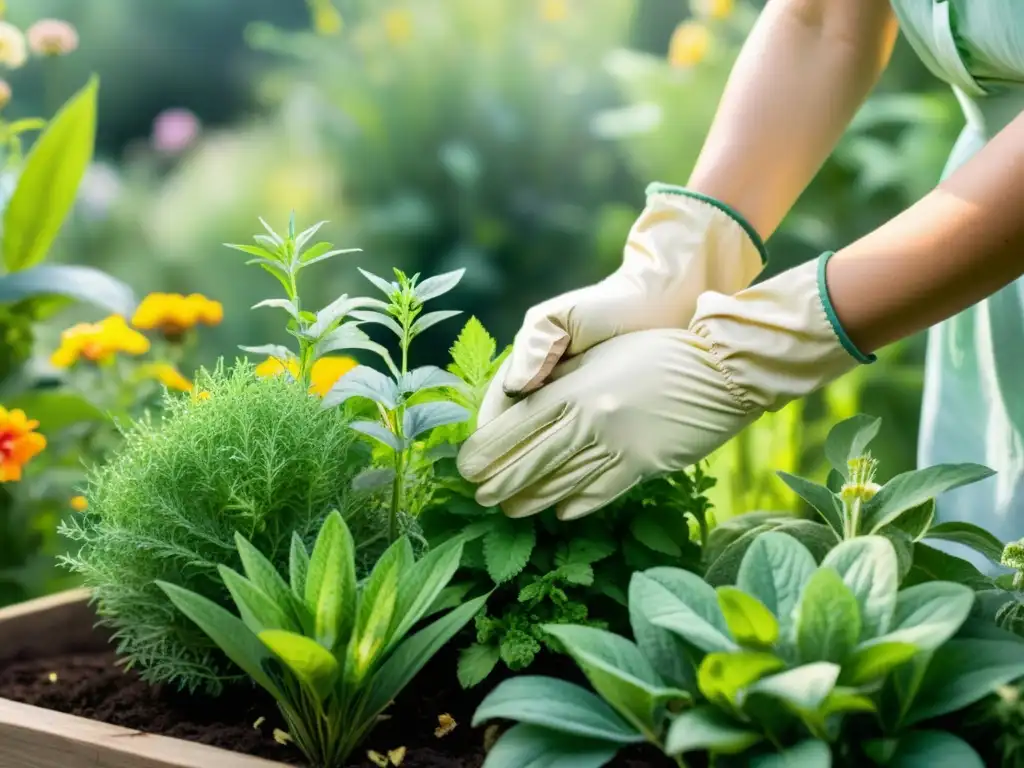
x: 332, y: 652
x: 241, y: 453
x: 797, y: 662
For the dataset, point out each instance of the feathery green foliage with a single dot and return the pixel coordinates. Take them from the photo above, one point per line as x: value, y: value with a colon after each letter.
x: 260, y: 456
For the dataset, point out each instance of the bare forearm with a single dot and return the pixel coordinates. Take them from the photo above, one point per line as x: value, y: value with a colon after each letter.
x: 804, y: 71
x: 960, y: 244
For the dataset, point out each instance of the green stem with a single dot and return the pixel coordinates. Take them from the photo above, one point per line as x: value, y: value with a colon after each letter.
x: 851, y: 518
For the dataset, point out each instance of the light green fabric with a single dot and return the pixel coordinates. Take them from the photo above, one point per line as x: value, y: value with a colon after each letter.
x: 974, y: 376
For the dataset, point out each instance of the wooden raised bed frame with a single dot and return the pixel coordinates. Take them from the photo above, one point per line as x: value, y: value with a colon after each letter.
x: 32, y: 737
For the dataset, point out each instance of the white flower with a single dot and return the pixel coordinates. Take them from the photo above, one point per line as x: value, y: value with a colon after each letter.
x: 13, y: 50
x: 52, y: 37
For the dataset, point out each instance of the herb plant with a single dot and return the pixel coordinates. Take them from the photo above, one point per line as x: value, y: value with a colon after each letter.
x: 852, y: 504
x: 332, y: 652
x: 256, y: 455
x: 409, y: 404
x: 798, y: 664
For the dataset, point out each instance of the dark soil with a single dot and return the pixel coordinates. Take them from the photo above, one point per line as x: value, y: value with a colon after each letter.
x: 92, y: 686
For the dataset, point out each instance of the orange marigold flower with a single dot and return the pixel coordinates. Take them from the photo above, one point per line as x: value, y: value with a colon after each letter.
x: 325, y: 374
x: 689, y: 45
x: 98, y: 342
x: 19, y: 442
x: 79, y: 503
x: 174, y: 314
x: 167, y: 375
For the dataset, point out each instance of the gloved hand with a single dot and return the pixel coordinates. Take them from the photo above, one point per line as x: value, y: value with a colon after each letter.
x: 657, y: 401
x: 681, y: 245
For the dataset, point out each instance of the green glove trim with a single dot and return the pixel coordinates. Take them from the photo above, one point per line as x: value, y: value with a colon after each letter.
x: 830, y: 313
x: 658, y: 187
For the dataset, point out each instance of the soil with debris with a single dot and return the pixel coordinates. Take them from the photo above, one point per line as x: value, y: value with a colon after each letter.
x: 92, y: 686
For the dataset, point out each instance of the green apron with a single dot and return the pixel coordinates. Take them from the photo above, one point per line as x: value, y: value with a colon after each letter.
x: 974, y: 373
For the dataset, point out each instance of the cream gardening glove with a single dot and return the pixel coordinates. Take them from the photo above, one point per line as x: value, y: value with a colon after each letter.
x: 682, y: 244
x: 656, y: 401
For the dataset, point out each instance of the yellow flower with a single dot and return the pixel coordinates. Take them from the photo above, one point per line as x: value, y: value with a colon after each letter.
x: 174, y: 314
x: 13, y: 50
x: 167, y: 375
x: 202, y: 395
x: 712, y: 9
x: 98, y: 342
x: 689, y: 44
x: 554, y: 10
x: 52, y: 37
x: 282, y: 737
x: 398, y: 26
x: 326, y: 19
x: 325, y: 374
x: 19, y: 443
x: 79, y: 503
x: 5, y: 93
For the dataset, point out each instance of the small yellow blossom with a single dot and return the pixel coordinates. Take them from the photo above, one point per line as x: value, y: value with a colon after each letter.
x: 259, y: 721
x: 396, y: 756
x: 398, y: 26
x: 712, y: 9
x: 554, y: 10
x: 325, y: 374
x: 327, y: 20
x: 202, y: 395
x: 52, y: 37
x: 174, y: 314
x: 52, y: 677
x: 79, y: 503
x: 5, y: 93
x: 19, y: 443
x: 282, y: 737
x: 167, y: 375
x: 689, y: 45
x: 13, y: 49
x: 445, y: 725
x: 98, y: 342
x: 377, y: 758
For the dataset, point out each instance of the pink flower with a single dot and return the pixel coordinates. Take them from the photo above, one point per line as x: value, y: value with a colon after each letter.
x: 52, y: 37
x: 174, y: 130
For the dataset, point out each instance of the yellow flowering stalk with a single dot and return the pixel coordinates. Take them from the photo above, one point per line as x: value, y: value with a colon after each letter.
x: 174, y: 315
x: 19, y: 443
x: 98, y: 342
x: 324, y: 374
x: 167, y: 375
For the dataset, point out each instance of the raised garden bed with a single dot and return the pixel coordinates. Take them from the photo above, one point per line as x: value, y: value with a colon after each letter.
x: 95, y: 714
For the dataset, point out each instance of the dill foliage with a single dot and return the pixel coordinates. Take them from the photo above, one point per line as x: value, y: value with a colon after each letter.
x: 257, y: 455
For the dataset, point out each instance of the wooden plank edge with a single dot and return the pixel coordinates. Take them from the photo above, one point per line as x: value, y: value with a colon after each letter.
x: 42, y: 738
x: 49, y: 626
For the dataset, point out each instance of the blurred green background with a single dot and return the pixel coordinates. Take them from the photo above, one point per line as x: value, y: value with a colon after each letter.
x: 511, y: 137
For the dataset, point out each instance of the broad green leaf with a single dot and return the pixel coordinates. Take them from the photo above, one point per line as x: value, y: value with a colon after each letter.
x: 843, y: 700
x: 650, y: 531
x: 298, y: 567
x: 707, y: 728
x: 848, y: 440
x: 329, y: 317
x: 48, y: 184
x: 377, y: 601
x: 438, y: 285
x: 828, y: 622
x: 331, y: 583
x: 363, y: 381
x: 373, y: 479
x: 910, y: 489
x: 380, y: 433
x: 69, y: 281
x: 749, y: 621
x: 558, y: 705
x: 819, y: 497
x: 807, y: 754
x: 228, y: 632
x: 683, y: 603
x: 450, y: 597
x: 431, y: 319
x: 507, y: 547
x: 264, y: 576
x: 870, y: 663
x: 666, y: 651
x: 586, y: 551
x: 532, y: 746
x: 286, y: 304
x: 728, y: 531
x: 259, y: 252
x: 775, y: 570
x: 276, y: 351
x: 962, y: 672
x: 903, y: 545
x: 932, y: 564
x: 378, y: 318
x: 928, y: 614
x: 868, y: 566
x: 307, y: 659
x: 421, y: 584
x: 428, y: 377
x: 915, y: 522
x: 348, y: 336
x: 385, y: 287
x: 723, y: 676
x: 934, y: 749
x: 969, y: 535
x: 55, y: 410
x: 425, y: 416
x: 257, y: 609
x: 804, y: 688
x: 476, y: 662
x: 412, y: 653
x: 618, y: 671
